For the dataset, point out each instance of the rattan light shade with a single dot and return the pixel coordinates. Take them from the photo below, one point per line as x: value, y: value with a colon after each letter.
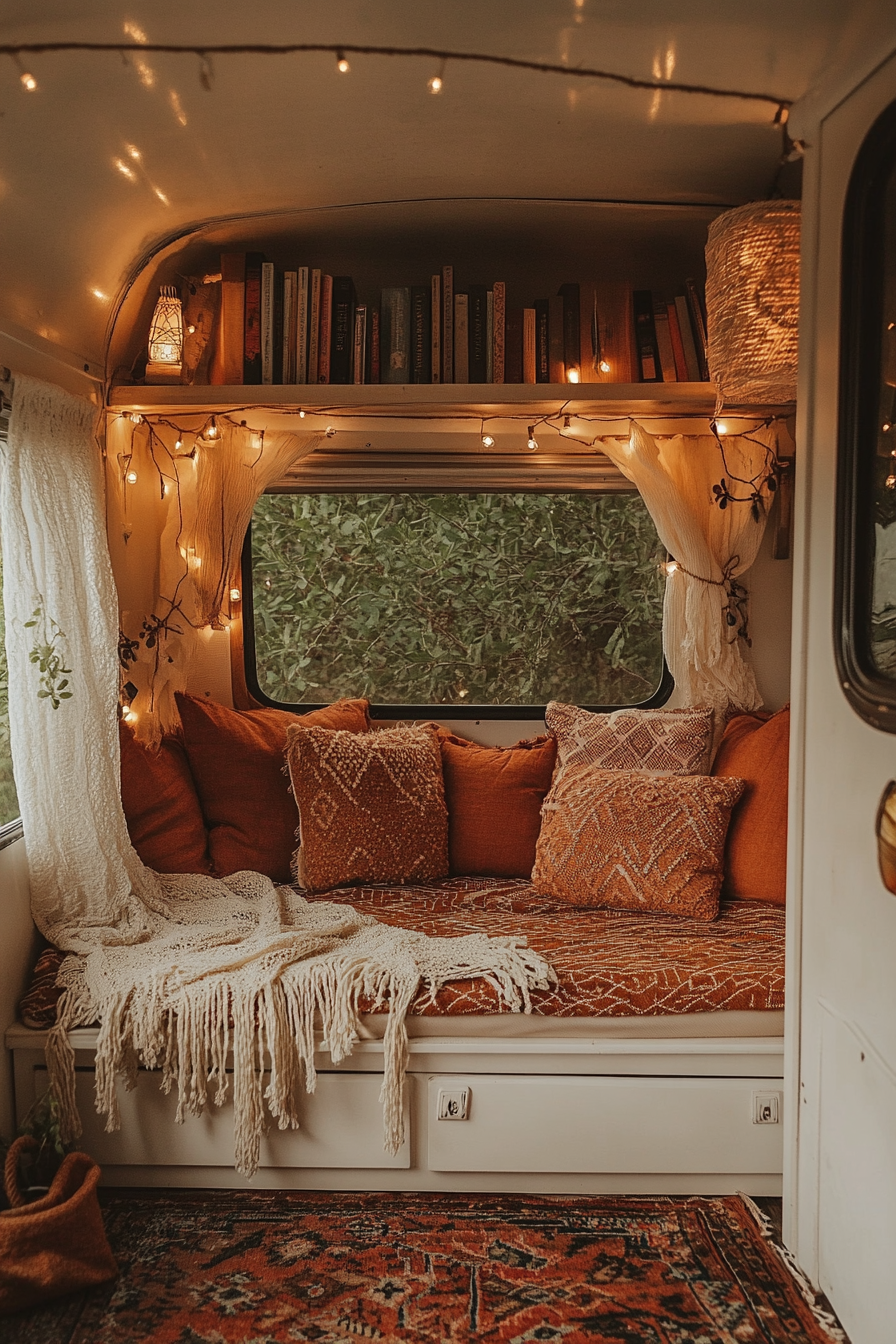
x: 752, y: 302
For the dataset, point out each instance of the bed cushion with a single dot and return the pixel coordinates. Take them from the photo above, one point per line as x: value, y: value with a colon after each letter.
x: 755, y: 748
x: 635, y: 842
x: 236, y: 758
x: 161, y: 806
x: 653, y: 741
x: 371, y: 806
x: 494, y: 797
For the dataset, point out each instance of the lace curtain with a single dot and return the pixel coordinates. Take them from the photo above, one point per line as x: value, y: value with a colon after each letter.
x: 711, y: 546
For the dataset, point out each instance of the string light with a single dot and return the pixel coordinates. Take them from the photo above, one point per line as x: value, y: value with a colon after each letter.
x: 135, y: 419
x: 886, y: 426
x: 330, y: 431
x: 488, y: 441
x: 178, y: 444
x: 532, y: 442
x: 342, y: 64
x: 437, y: 82
x: 721, y: 427
x: 572, y: 374
x: 669, y: 568
x: 28, y: 81
x: 131, y: 478
x: 604, y: 366
x: 301, y: 415
x: 891, y: 482
x: 211, y: 429
x: 234, y: 594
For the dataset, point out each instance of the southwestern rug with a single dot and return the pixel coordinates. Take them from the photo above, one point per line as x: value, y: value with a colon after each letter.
x: 265, y: 1267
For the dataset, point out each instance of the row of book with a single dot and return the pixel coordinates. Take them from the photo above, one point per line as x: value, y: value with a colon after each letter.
x: 304, y: 326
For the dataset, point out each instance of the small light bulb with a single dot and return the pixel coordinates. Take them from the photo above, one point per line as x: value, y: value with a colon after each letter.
x: 128, y: 715
x: 890, y: 326
x: 132, y: 478
x: 721, y: 427
x: 435, y: 84
x: 301, y: 415
x: 488, y: 441
x: 234, y: 594
x: 178, y: 444
x: 330, y: 431
x: 604, y: 366
x: 136, y: 419
x: 190, y: 329
x: 256, y: 441
x: 886, y: 426
x: 211, y: 429
x: 28, y: 81
x: 342, y: 64
x: 670, y: 567
x: 572, y: 374
x: 532, y: 442
x: 891, y: 482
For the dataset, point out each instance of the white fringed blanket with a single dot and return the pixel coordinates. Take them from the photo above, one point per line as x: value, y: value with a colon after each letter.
x: 241, y: 966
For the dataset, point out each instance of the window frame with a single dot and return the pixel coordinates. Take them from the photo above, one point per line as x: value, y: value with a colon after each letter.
x: 409, y: 711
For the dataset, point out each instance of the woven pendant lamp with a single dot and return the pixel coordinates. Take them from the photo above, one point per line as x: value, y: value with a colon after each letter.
x: 752, y: 302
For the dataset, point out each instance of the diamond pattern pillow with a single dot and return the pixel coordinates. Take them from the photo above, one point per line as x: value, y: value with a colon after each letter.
x: 371, y: 806
x: 653, y: 741
x: 632, y: 841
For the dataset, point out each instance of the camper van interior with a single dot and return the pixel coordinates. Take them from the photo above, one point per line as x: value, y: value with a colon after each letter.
x: 447, y: 523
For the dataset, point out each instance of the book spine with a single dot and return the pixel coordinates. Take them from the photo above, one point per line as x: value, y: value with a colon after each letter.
x: 314, y: 328
x: 556, y: 366
x: 490, y: 336
x: 664, y: 342
x: 589, y: 334
x: 396, y: 334
x: 499, y: 343
x: 698, y: 319
x: 461, y: 338
x: 478, y: 320
x: 288, y: 364
x: 681, y: 363
x: 233, y: 304
x: 373, y: 343
x: 616, y: 332
x: 447, y: 324
x: 252, y: 320
x: 529, y: 343
x: 326, y: 328
x: 267, y: 321
x: 645, y: 334
x: 571, y: 297
x: 421, y: 335
x: 687, y: 338
x: 302, y: 325
x: 343, y: 329
x: 542, y: 341
x: 435, y: 303
x: 359, y: 345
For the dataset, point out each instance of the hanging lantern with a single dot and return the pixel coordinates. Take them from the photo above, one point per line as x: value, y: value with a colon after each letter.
x: 166, y: 338
x: 752, y: 302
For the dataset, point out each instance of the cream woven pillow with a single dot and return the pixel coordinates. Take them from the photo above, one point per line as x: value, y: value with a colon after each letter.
x: 371, y: 806
x: 653, y: 741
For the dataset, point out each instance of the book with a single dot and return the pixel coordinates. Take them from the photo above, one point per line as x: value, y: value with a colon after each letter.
x: 499, y: 340
x: 542, y: 341
x: 572, y: 332
x: 435, y: 302
x: 687, y: 338
x: 268, y: 280
x: 233, y: 301
x: 326, y: 329
x: 395, y: 334
x: 359, y: 345
x: 302, y: 298
x: 461, y: 338
x: 490, y: 336
x: 314, y: 328
x: 664, y: 341
x: 374, y: 325
x: 556, y: 366
x: 421, y: 334
x: 529, y: 360
x: 447, y: 324
x: 681, y: 364
x: 616, y: 343
x: 589, y: 334
x: 478, y: 326
x: 698, y: 320
x: 645, y: 337
x: 252, y: 320
x: 288, y: 361
x: 343, y: 329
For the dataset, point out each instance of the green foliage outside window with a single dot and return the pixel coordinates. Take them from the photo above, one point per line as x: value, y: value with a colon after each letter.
x: 9, y: 806
x: 457, y: 599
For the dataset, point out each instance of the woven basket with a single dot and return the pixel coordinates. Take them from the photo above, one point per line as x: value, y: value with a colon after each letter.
x: 752, y: 302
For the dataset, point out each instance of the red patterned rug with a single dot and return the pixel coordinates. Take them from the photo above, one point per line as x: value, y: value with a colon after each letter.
x: 261, y: 1267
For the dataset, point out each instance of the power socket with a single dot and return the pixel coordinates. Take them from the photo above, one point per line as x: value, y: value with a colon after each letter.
x: 453, y: 1103
x: 766, y: 1108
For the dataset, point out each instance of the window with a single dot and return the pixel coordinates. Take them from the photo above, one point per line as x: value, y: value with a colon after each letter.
x: 423, y: 601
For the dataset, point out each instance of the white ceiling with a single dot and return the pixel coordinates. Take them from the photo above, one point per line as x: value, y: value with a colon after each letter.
x: 290, y: 133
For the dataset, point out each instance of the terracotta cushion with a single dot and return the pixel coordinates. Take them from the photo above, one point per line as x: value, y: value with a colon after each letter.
x: 632, y: 841
x: 494, y: 797
x: 237, y: 760
x: 755, y: 749
x: 161, y: 806
x: 655, y: 741
x: 371, y: 806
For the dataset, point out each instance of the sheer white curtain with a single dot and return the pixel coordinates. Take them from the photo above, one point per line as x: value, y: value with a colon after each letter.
x: 712, y: 547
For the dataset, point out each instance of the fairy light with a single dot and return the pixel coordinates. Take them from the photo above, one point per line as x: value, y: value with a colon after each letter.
x: 669, y: 568
x: 330, y: 431
x: 235, y: 595
x: 572, y: 374
x: 721, y: 427
x: 135, y: 418
x: 131, y: 478
x: 532, y: 442
x: 178, y: 444
x: 604, y: 366
x: 891, y: 482
x: 435, y: 84
x: 301, y: 415
x: 488, y: 441
x: 211, y: 429
x: 28, y: 81
x: 342, y: 64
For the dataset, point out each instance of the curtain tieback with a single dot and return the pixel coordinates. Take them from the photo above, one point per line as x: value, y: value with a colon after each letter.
x: 736, y: 595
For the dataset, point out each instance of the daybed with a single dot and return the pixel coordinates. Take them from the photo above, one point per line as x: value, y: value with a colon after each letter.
x: 654, y: 1064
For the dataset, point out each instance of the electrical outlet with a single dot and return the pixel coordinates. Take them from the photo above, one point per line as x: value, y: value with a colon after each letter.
x: 453, y: 1103
x: 766, y: 1108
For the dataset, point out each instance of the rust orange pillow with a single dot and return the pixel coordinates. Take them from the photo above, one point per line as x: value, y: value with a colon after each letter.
x: 371, y: 806
x: 236, y: 757
x: 161, y: 806
x: 632, y: 841
x: 655, y: 741
x: 494, y: 797
x: 755, y: 749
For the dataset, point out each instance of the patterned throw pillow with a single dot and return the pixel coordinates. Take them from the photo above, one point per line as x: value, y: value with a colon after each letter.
x: 371, y: 806
x: 653, y: 741
x: 632, y: 841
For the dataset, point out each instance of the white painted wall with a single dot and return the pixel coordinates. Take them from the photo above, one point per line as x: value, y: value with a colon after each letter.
x: 18, y: 951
